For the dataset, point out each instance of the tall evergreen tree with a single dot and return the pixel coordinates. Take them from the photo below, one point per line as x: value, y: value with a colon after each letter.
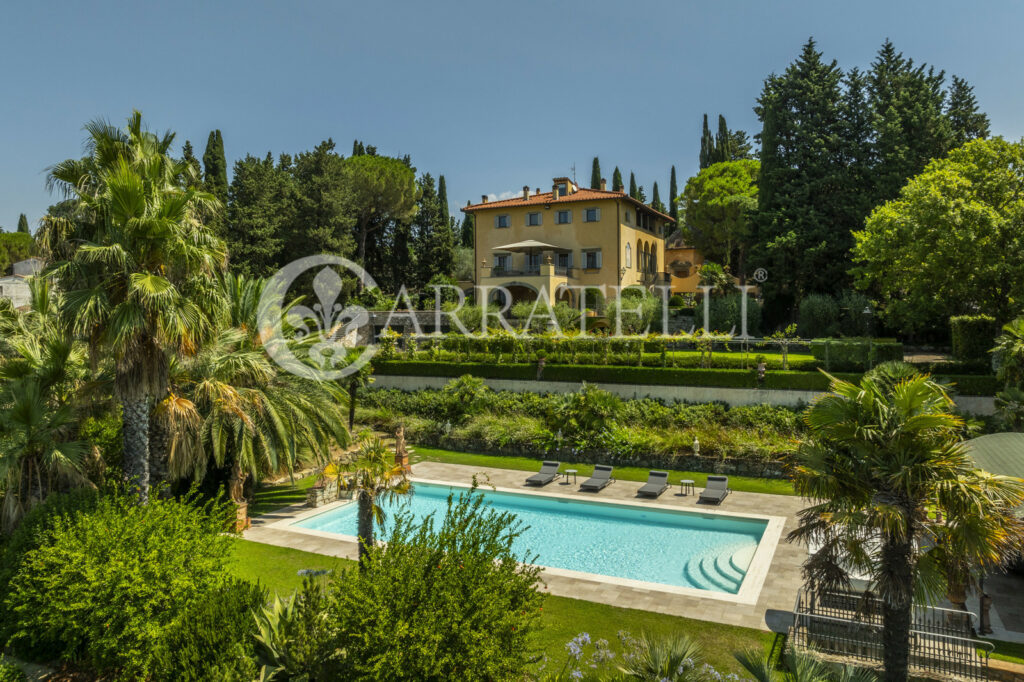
x: 632, y: 186
x: 357, y: 148
x: 23, y: 224
x: 435, y: 241
x: 322, y: 220
x: 707, y: 145
x: 966, y: 120
x: 195, y: 170
x: 800, y: 233
x: 673, y: 198
x: 467, y: 229
x: 739, y: 146
x: 595, y: 174
x: 656, y: 200
x: 723, y: 142
x: 442, y: 197
x: 215, y: 179
x: 910, y: 128
x: 616, y: 180
x: 261, y: 214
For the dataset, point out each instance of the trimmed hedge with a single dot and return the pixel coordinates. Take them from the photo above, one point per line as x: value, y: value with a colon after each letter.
x: 654, y: 376
x: 855, y: 355
x: 973, y: 336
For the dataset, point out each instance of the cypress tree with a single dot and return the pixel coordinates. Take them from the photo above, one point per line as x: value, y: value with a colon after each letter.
x: 23, y: 224
x: 357, y: 148
x: 617, y: 180
x: 196, y: 171
x: 467, y: 230
x: 632, y: 185
x: 723, y: 142
x: 215, y: 179
x: 673, y: 190
x: 442, y: 197
x: 595, y: 174
x: 656, y: 200
x: 707, y: 146
x: 966, y: 120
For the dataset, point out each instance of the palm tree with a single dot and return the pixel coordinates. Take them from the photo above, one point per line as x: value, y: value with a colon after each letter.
x: 41, y: 373
x: 136, y: 263
x: 230, y: 404
x: 799, y: 666
x: 374, y: 477
x: 888, y: 476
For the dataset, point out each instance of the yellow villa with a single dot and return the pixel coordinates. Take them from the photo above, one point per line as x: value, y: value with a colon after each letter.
x: 556, y: 242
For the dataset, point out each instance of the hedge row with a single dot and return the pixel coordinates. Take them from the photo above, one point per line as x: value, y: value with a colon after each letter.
x: 655, y: 376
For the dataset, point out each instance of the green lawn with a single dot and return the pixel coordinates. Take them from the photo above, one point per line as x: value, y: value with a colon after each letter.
x: 272, y: 497
x: 1008, y: 651
x: 277, y: 569
x: 744, y: 483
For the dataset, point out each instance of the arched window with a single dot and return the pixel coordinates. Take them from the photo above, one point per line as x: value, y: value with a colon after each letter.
x: 647, y: 258
x: 654, y: 257
x: 629, y: 256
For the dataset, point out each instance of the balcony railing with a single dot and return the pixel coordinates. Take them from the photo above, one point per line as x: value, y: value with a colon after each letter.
x: 530, y: 271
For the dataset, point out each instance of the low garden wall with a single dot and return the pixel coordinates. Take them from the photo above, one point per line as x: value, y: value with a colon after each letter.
x: 980, y: 405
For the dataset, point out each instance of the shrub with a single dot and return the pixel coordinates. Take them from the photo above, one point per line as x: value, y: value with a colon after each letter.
x: 9, y: 672
x: 725, y: 314
x: 35, y: 529
x: 107, y: 587
x: 637, y: 313
x: 677, y: 301
x: 453, y: 602
x: 852, y: 321
x: 214, y: 638
x: 973, y: 336
x: 819, y: 316
x: 295, y: 636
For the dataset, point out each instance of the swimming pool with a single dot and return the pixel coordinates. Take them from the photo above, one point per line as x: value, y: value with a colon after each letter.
x: 710, y: 552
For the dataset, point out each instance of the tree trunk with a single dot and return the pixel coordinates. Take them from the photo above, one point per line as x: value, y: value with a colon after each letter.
x: 897, y: 610
x: 159, y: 451
x: 353, y: 389
x: 365, y: 531
x: 135, y: 435
x: 236, y: 486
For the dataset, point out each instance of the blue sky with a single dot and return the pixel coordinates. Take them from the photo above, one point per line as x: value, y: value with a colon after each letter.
x: 492, y: 96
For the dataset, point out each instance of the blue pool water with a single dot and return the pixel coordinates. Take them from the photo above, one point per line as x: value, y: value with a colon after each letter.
x: 659, y: 546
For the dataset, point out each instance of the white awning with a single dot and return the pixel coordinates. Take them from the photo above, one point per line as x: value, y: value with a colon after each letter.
x: 530, y: 245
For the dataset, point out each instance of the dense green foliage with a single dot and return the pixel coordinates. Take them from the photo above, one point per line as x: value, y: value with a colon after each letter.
x: 952, y: 243
x: 819, y: 316
x: 113, y: 587
x: 855, y: 354
x: 833, y: 146
x: 23, y: 224
x: 14, y: 247
x: 718, y: 203
x: 588, y: 420
x: 972, y: 335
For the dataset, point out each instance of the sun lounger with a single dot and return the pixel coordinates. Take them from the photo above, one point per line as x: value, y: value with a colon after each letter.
x: 602, y: 477
x: 548, y: 472
x: 716, y: 490
x: 657, y: 483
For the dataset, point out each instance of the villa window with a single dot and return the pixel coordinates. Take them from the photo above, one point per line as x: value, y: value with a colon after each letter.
x: 563, y: 189
x: 629, y: 217
x: 563, y: 217
x: 629, y: 256
x: 565, y: 260
x: 533, y: 219
x: 534, y: 261
x: 591, y: 215
x: 592, y: 259
x: 502, y: 261
x: 503, y: 220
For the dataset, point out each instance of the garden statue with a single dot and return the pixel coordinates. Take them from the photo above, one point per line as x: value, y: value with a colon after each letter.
x: 401, y: 453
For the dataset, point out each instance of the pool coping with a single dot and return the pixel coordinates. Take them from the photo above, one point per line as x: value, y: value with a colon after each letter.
x: 750, y: 588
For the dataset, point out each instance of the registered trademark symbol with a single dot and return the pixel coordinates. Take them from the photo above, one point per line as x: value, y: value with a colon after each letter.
x: 760, y: 275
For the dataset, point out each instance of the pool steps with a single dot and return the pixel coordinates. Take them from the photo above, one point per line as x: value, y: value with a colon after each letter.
x: 722, y: 571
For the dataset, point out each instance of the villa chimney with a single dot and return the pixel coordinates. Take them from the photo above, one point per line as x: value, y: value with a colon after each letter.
x: 526, y: 191
x: 554, y: 192
x: 538, y: 191
x: 483, y: 198
x: 604, y: 184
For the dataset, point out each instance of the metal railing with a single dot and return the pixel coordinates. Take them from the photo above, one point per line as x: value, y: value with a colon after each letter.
x: 850, y: 625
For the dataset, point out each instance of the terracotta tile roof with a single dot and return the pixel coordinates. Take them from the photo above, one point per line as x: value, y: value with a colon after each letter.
x: 546, y: 198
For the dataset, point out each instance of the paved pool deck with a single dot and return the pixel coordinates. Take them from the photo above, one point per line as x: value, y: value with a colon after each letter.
x: 774, y: 603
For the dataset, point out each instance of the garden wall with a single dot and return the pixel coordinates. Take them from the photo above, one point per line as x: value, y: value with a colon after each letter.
x: 980, y: 405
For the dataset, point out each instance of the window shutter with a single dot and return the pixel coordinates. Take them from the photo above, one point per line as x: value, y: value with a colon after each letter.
x: 495, y: 221
x: 599, y: 256
x: 597, y: 214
